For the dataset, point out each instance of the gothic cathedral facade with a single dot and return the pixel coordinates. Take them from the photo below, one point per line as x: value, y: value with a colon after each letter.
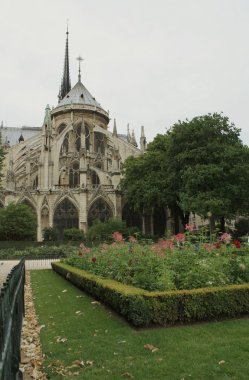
x: 70, y: 171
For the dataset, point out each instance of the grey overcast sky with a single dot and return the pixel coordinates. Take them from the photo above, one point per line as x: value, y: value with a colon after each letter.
x: 149, y: 63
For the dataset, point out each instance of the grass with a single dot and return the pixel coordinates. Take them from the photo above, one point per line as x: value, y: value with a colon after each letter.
x: 111, y: 349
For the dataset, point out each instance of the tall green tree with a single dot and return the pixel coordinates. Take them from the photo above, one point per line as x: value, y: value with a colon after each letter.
x: 213, y: 166
x: 198, y: 166
x: 17, y: 222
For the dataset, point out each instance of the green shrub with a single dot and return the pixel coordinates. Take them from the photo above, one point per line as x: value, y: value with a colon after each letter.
x: 73, y: 234
x: 143, y: 308
x: 36, y: 252
x: 102, y: 231
x: 50, y: 234
x: 17, y: 222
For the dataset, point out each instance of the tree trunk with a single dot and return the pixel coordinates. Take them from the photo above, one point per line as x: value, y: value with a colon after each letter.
x: 222, y: 224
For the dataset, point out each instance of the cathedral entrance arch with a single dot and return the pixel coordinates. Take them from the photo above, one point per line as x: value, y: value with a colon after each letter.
x: 66, y: 216
x: 99, y: 210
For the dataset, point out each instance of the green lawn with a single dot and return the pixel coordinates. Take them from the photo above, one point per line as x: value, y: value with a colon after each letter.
x: 111, y: 349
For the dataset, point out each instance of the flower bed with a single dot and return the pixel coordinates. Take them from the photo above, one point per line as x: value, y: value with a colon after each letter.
x: 186, y: 261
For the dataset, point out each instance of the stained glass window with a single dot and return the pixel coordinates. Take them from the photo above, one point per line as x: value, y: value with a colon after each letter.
x: 99, y: 210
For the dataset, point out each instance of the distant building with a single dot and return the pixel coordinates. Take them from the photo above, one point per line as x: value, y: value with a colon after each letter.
x: 69, y: 170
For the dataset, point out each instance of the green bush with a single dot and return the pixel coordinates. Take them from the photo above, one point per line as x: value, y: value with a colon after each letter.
x: 73, y: 234
x: 102, y: 231
x: 50, y: 234
x: 143, y: 308
x: 36, y: 252
x: 17, y: 222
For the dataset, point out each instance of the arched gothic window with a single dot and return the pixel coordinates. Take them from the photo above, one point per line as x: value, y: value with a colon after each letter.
x: 100, y: 210
x: 66, y: 216
x: 78, y: 137
x: 94, y: 178
x: 35, y: 183
x: 99, y: 142
x: 61, y: 128
x: 65, y: 145
x: 74, y: 175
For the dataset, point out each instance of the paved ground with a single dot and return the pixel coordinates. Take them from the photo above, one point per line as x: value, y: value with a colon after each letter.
x: 5, y: 268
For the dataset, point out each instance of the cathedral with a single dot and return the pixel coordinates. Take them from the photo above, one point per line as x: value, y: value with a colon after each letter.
x: 69, y: 171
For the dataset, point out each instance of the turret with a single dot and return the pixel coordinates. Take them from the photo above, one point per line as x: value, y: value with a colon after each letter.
x: 47, y: 127
x: 128, y: 133
x: 133, y: 138
x: 114, y: 133
x: 142, y: 140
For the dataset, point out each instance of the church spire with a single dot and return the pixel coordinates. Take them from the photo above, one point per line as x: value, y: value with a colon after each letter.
x: 65, y: 83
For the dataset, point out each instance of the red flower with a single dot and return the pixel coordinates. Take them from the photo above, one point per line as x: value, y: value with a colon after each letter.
x: 218, y: 245
x: 94, y: 259
x: 80, y: 253
x: 236, y: 243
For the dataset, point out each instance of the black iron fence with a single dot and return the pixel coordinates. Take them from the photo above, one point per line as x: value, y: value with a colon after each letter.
x: 11, y: 315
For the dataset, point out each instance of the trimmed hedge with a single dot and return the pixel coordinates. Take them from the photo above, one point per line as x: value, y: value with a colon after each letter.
x: 143, y: 308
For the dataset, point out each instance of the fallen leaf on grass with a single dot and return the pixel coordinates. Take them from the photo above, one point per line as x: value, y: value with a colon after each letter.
x: 95, y: 302
x: 64, y: 291
x: 61, y: 340
x: 151, y: 348
x: 122, y: 341
x: 89, y: 362
x: 127, y: 374
x: 222, y: 362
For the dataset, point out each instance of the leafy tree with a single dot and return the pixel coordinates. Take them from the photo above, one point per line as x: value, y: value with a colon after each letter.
x: 199, y: 165
x: 17, y: 222
x: 212, y: 165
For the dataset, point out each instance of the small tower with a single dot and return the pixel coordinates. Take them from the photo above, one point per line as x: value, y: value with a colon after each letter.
x: 114, y: 133
x: 65, y: 82
x: 142, y: 140
x: 133, y: 138
x: 47, y: 127
x: 128, y: 133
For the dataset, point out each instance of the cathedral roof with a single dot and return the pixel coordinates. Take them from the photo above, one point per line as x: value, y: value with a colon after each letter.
x: 79, y: 95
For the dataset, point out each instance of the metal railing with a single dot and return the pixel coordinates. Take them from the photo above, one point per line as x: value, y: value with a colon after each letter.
x: 11, y: 316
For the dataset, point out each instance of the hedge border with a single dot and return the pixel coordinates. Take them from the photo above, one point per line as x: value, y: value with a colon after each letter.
x: 143, y: 308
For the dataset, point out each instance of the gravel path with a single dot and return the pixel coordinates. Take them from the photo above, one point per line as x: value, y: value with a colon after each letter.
x: 5, y: 268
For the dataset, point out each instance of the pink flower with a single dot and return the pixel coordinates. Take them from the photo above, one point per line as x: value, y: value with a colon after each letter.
x: 190, y: 227
x: 179, y: 237
x: 209, y: 247
x: 132, y: 239
x: 117, y: 236
x: 170, y: 244
x: 226, y: 238
x: 163, y: 243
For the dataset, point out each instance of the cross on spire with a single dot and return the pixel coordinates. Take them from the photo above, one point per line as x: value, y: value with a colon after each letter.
x: 80, y: 59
